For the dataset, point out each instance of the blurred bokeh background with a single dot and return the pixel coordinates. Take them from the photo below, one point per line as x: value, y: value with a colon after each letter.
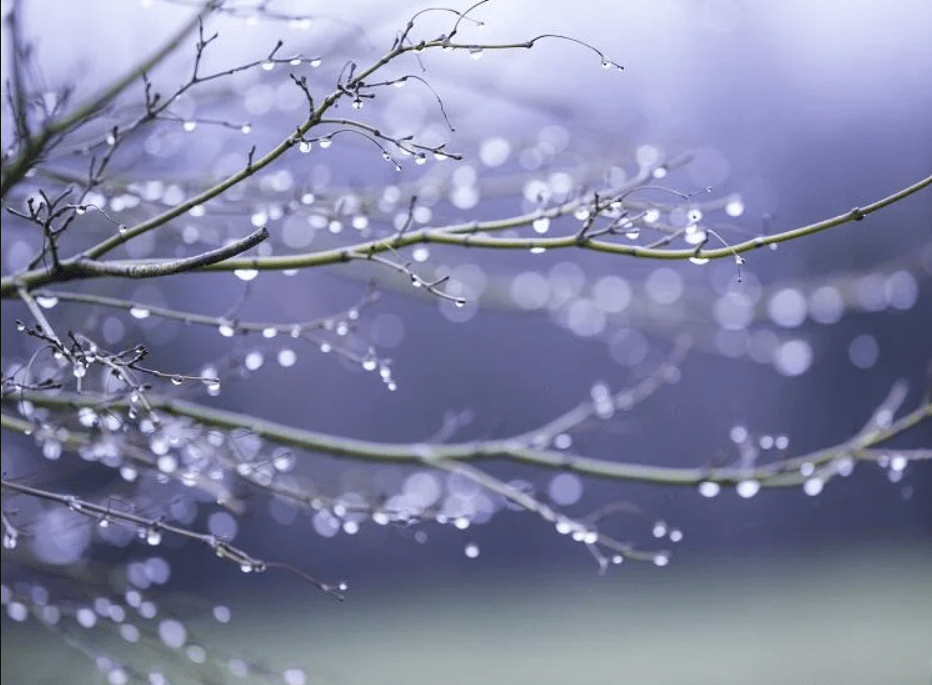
x: 805, y: 110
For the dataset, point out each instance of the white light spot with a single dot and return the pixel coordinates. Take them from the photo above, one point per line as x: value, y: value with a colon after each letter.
x: 813, y: 486
x: 494, y: 151
x: 709, y: 489
x: 793, y: 358
x: 787, y: 308
x: 172, y: 633
x: 565, y: 489
x: 747, y: 488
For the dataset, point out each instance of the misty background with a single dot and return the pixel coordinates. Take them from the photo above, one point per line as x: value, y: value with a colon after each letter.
x: 804, y: 109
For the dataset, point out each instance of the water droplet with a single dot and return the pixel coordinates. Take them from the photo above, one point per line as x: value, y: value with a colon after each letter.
x: 326, y: 347
x: 357, y: 104
x: 475, y: 53
x: 400, y: 83
x: 20, y: 326
x: 661, y: 559
x: 699, y: 260
x: 709, y: 488
x: 460, y: 302
x: 46, y: 301
x: 305, y: 146
x: 139, y: 312
x: 606, y: 64
x: 296, y: 62
x: 245, y: 128
x: 325, y: 143
x: 254, y: 360
x: 153, y: 536
x: 269, y: 332
x: 245, y: 274
x: 420, y: 158
x: 268, y: 65
x: 541, y: 225
x: 748, y: 488
x: 226, y: 330
x: 472, y: 550
x: 813, y: 486
x: 189, y: 125
x: 315, y: 62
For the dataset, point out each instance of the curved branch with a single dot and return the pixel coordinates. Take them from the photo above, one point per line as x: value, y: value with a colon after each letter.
x: 777, y: 474
x: 33, y: 147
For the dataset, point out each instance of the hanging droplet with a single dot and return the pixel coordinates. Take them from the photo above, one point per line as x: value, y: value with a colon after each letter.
x: 139, y: 312
x: 46, y: 301
x: 541, y: 225
x: 189, y: 125
x: 709, y: 488
x: 325, y: 143
x: 475, y: 53
x: 315, y: 62
x: 268, y: 65
x: 304, y: 147
x: 748, y: 488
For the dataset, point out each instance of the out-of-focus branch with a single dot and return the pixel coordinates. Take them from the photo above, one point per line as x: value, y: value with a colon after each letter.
x: 782, y: 473
x: 153, y: 529
x: 34, y: 146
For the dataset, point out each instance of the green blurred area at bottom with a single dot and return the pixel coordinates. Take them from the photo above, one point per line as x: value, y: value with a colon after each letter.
x: 852, y: 618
